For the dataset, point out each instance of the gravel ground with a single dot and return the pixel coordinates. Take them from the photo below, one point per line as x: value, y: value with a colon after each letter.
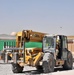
x: 5, y: 69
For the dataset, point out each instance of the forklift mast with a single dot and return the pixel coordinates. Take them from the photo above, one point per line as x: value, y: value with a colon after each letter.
x: 28, y: 36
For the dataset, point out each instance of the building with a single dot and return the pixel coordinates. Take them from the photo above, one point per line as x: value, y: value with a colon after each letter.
x: 71, y: 43
x: 6, y: 38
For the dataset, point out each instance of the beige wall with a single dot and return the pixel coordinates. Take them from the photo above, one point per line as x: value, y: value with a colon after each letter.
x: 71, y: 44
x: 70, y: 37
x: 71, y: 47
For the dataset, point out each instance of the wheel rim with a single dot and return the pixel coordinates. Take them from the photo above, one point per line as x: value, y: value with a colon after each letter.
x: 69, y: 60
x: 51, y: 65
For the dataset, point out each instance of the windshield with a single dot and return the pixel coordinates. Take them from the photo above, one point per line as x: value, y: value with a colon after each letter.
x: 48, y: 42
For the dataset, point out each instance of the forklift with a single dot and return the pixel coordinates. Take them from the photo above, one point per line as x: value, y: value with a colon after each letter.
x: 53, y: 53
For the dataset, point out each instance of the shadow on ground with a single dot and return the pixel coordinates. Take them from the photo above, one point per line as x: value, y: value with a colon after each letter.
x: 35, y: 72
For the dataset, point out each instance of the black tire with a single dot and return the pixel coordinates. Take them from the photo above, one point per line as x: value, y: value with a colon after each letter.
x: 39, y: 68
x: 48, y: 63
x: 16, y: 68
x: 9, y: 58
x: 69, y: 62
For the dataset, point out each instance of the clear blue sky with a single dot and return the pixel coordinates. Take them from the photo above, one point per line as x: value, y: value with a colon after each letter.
x: 50, y: 16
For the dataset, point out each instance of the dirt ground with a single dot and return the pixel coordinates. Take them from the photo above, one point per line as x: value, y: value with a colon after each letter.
x: 5, y: 69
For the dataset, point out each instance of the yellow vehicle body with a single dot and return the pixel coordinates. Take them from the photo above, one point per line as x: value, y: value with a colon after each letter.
x: 32, y: 55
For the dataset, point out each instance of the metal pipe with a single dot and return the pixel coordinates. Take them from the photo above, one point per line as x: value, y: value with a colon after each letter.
x: 13, y: 48
x: 15, y: 57
x: 6, y: 57
x: 24, y: 52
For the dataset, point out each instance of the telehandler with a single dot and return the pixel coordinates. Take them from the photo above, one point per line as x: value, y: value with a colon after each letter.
x: 53, y: 52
